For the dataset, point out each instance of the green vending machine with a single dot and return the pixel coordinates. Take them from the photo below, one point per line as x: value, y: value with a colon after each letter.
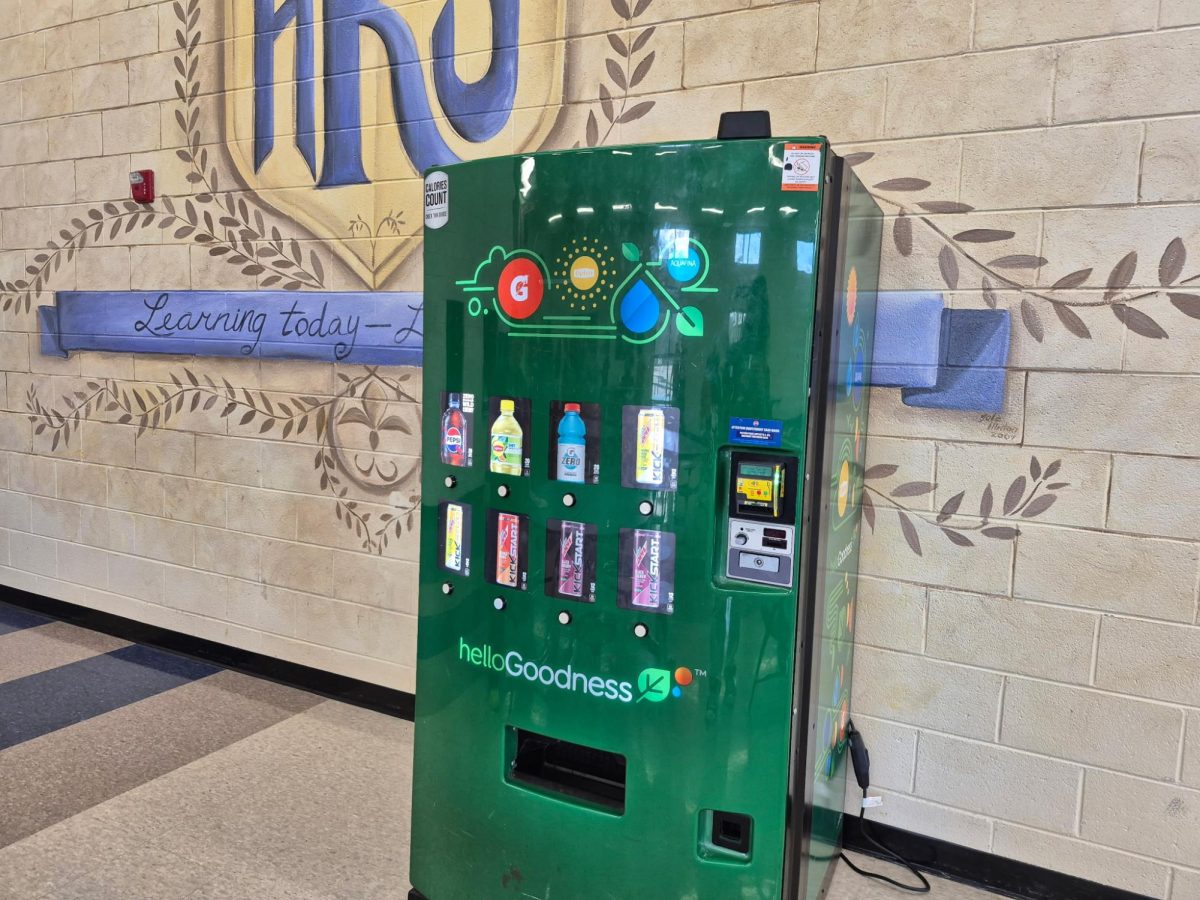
x: 644, y: 433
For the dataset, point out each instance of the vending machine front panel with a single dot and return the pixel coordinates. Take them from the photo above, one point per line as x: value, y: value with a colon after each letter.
x: 632, y: 665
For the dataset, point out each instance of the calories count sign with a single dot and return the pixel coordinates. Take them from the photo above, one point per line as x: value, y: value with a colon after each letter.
x: 437, y: 199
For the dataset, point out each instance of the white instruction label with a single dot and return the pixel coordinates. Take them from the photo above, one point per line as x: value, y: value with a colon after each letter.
x: 437, y: 199
x: 801, y: 167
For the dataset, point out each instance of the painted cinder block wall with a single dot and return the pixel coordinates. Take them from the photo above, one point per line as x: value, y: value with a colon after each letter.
x: 1036, y: 695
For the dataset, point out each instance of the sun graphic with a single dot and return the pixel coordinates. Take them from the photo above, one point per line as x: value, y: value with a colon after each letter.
x: 585, y: 270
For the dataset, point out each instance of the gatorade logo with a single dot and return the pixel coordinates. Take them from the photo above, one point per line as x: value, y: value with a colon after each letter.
x: 521, y: 288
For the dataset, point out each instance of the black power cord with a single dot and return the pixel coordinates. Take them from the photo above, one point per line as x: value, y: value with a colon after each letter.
x: 861, y: 760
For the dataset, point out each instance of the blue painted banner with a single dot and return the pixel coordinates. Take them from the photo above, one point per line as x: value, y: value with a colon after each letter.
x: 370, y: 328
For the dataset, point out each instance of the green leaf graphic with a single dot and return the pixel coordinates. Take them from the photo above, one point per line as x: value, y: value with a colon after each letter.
x: 690, y: 322
x: 653, y: 685
x: 631, y: 252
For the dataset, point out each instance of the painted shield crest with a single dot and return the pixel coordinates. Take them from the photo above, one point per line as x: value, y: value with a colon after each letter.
x: 334, y: 108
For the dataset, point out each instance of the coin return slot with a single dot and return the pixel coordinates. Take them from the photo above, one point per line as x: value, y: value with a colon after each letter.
x: 587, y: 775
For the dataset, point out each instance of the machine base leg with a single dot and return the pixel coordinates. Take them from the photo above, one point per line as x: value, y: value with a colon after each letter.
x: 414, y: 894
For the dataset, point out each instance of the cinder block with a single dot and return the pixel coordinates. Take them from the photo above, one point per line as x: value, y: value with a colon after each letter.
x: 192, y: 500
x: 302, y: 567
x: 22, y: 56
x: 1191, y: 750
x: 83, y: 565
x: 1088, y: 165
x: 889, y: 416
x: 74, y: 45
x: 127, y: 34
x: 1007, y: 784
x: 1081, y: 859
x: 886, y: 554
x: 1092, y: 727
x: 1155, y: 495
x: 857, y: 33
x: 230, y: 460
x: 39, y: 14
x: 143, y: 579
x: 1171, y: 159
x: 980, y: 92
x: 82, y: 483
x: 1178, y: 12
x: 131, y: 129
x: 843, y: 106
x: 375, y: 581
x: 103, y: 86
x: 1125, y: 77
x: 199, y: 593
x: 268, y: 513
x: 33, y: 553
x: 1120, y: 573
x: 1150, y: 659
x: 134, y: 491
x: 1005, y: 23
x: 893, y: 751
x: 1093, y: 412
x: 1186, y: 885
x: 57, y: 519
x: 22, y: 142
x: 926, y: 693
x: 1157, y: 820
x: 1011, y: 635
x: 972, y: 467
x: 1100, y: 238
x: 923, y: 817
x: 229, y: 552
x: 46, y: 96
x: 752, y: 44
x: 890, y: 614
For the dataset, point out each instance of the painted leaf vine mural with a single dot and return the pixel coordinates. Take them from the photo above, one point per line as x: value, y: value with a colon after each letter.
x: 1027, y: 497
x: 626, y: 68
x: 350, y: 428
x: 229, y: 227
x: 966, y: 249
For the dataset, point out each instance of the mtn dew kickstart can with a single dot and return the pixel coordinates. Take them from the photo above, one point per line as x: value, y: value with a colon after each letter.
x: 570, y: 559
x: 647, y: 580
x: 508, y: 549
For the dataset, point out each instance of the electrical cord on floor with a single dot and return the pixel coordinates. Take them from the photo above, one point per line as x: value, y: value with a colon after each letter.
x: 861, y: 760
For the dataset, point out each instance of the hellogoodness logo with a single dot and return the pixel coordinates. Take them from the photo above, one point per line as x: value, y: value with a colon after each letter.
x: 654, y: 685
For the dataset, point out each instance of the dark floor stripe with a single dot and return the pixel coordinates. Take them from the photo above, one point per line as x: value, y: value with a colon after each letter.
x: 50, y: 700
x: 13, y: 619
x: 61, y: 774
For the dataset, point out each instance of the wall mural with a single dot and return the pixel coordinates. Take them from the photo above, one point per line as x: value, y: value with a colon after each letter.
x: 1117, y: 297
x: 365, y: 222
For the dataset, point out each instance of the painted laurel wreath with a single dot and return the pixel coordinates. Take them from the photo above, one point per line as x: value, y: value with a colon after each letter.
x: 371, y: 402
x: 1027, y: 497
x: 963, y: 248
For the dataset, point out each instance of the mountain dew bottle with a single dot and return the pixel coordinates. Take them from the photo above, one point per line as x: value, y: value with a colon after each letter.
x: 507, y: 441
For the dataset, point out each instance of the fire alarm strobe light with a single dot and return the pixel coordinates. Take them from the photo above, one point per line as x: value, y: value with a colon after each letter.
x: 141, y: 185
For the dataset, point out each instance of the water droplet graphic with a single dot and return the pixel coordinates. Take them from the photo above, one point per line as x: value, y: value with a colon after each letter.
x: 640, y: 308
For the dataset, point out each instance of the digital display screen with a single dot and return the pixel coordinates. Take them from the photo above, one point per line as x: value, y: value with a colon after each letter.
x: 758, y: 489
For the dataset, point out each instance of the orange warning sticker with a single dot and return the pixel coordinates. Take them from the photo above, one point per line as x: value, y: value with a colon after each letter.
x: 801, y: 167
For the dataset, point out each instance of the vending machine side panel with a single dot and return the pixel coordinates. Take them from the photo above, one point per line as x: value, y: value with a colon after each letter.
x: 848, y: 285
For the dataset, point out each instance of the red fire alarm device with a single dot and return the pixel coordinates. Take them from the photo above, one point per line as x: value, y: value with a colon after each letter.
x: 141, y: 185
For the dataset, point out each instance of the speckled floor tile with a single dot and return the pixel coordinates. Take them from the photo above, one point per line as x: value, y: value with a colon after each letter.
x: 45, y: 647
x: 315, y: 807
x: 59, y: 774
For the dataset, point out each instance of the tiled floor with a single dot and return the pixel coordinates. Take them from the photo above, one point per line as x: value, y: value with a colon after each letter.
x: 212, y: 785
